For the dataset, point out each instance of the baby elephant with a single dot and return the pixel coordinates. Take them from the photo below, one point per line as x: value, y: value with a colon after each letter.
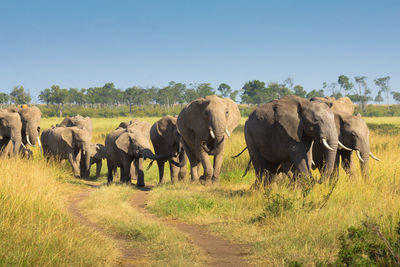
x: 97, y: 154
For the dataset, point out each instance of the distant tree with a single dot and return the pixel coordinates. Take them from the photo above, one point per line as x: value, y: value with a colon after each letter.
x: 251, y: 91
x: 362, y: 91
x: 315, y: 93
x: 331, y: 87
x: 136, y: 96
x: 378, y: 99
x: 233, y: 95
x: 396, y: 96
x: 289, y: 83
x: 299, y: 91
x: 224, y: 89
x: 345, y: 83
x: 45, y: 96
x: 4, y: 98
x: 19, y: 96
x: 383, y: 84
x: 190, y: 95
x: 277, y: 90
x: 205, y: 89
x: 57, y: 96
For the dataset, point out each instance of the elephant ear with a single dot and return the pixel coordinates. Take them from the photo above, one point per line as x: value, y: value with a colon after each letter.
x: 123, y: 143
x: 68, y: 136
x: 234, y: 115
x: 165, y: 128
x: 194, y: 119
x: 288, y: 115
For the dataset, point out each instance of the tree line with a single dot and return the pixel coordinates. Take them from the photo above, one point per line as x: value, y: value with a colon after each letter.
x: 252, y: 92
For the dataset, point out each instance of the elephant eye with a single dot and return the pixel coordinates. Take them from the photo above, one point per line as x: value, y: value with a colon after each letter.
x: 38, y: 129
x: 227, y: 113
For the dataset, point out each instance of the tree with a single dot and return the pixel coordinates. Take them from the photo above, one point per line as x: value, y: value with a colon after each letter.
x: 205, y: 89
x: 251, y: 91
x: 299, y: 91
x: 224, y: 89
x: 190, y: 95
x: 396, y: 96
x: 332, y: 88
x: 19, y: 96
x: 378, y: 98
x: 4, y: 98
x: 345, y: 83
x: 57, y: 96
x: 289, y: 83
x: 383, y: 84
x: 362, y: 91
x: 45, y: 96
x: 315, y: 93
x: 233, y: 95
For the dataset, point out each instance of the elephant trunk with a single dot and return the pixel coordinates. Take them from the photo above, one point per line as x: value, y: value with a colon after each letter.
x: 330, y: 154
x: 182, y: 158
x: 31, y: 135
x: 147, y: 154
x: 85, y: 167
x: 363, y: 155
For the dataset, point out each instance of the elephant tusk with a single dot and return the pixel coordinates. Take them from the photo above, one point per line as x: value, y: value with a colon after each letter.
x: 212, y: 134
x: 313, y: 163
x: 326, y: 144
x: 227, y: 132
x: 359, y: 156
x: 29, y: 142
x: 373, y: 156
x: 344, y: 147
x: 40, y: 145
x: 23, y: 145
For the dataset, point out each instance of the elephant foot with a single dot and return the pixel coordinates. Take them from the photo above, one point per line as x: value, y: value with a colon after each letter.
x: 205, y: 181
x: 140, y: 185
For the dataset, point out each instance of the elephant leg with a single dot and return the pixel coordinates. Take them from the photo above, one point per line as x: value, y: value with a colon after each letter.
x: 205, y: 161
x: 347, y: 163
x: 133, y: 173
x: 161, y: 164
x: 75, y: 166
x: 125, y: 172
x: 194, y: 164
x: 217, y: 165
x: 298, y: 156
x: 174, y: 171
x: 99, y: 164
x: 111, y: 171
x: 182, y: 173
x: 140, y: 173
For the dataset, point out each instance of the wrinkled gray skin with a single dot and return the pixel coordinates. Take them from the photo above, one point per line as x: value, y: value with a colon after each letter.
x: 97, y: 154
x: 125, y: 146
x: 166, y: 140
x: 30, y: 118
x: 84, y: 123
x: 203, y: 125
x: 69, y: 143
x: 354, y: 134
x: 10, y: 133
x: 279, y: 136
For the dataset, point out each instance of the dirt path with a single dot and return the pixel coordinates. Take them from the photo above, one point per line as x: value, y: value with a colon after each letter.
x: 130, y: 256
x: 220, y: 251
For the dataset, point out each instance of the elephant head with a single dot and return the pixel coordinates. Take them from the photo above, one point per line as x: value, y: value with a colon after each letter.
x: 343, y: 104
x: 79, y: 140
x: 354, y: 135
x: 30, y: 118
x: 84, y: 123
x: 308, y: 121
x: 10, y: 132
x: 211, y: 119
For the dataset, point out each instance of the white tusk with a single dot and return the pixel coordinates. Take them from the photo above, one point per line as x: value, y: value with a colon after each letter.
x: 23, y: 145
x: 373, y: 156
x: 326, y: 144
x: 227, y: 132
x: 29, y: 142
x: 344, y: 147
x: 313, y: 163
x: 212, y: 134
x: 40, y: 145
x: 359, y: 156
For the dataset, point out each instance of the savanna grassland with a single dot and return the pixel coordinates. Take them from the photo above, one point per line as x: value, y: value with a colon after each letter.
x: 285, y: 223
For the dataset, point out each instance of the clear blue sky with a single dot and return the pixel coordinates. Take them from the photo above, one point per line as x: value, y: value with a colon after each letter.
x: 83, y: 44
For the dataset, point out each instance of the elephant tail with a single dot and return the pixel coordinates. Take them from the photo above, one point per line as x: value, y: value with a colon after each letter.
x: 247, y: 168
x: 240, y: 153
x: 150, y: 164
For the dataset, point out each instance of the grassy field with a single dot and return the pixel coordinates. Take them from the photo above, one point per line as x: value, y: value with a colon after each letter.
x: 283, y: 224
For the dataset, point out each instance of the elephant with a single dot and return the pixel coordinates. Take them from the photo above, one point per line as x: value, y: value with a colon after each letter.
x: 30, y: 118
x: 84, y: 123
x: 97, y: 154
x: 343, y: 104
x: 10, y: 133
x: 353, y: 134
x: 127, y: 145
x: 69, y: 143
x: 166, y: 140
x: 279, y: 136
x: 204, y: 124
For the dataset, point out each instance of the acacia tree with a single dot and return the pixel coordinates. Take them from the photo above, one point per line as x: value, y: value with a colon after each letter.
x: 362, y: 90
x: 299, y: 91
x: 19, y: 96
x: 378, y: 98
x: 396, y: 96
x: 4, y: 98
x: 383, y: 84
x: 224, y: 89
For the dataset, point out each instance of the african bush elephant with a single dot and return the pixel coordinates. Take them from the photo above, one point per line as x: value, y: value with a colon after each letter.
x: 10, y: 133
x: 204, y: 125
x: 127, y: 145
x: 97, y: 154
x: 84, y: 123
x: 30, y: 118
x: 353, y: 134
x: 279, y: 136
x: 343, y: 104
x: 166, y: 140
x: 69, y: 143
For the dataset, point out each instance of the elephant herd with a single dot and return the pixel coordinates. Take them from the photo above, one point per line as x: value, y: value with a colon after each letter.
x: 291, y: 135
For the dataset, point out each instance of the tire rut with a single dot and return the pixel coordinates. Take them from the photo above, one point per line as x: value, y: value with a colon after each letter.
x: 130, y: 256
x: 221, y: 252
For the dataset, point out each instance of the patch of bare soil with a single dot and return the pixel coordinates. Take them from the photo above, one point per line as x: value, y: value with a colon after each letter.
x: 220, y: 251
x: 130, y: 256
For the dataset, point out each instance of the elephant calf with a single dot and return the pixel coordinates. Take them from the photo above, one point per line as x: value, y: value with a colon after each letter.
x: 97, y: 154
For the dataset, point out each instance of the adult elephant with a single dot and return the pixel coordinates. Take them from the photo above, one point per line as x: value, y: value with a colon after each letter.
x: 97, y: 154
x: 343, y: 104
x: 69, y: 143
x: 204, y: 125
x: 127, y: 145
x: 280, y: 134
x: 30, y: 118
x: 10, y: 133
x: 353, y: 134
x: 84, y: 123
x: 166, y: 140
